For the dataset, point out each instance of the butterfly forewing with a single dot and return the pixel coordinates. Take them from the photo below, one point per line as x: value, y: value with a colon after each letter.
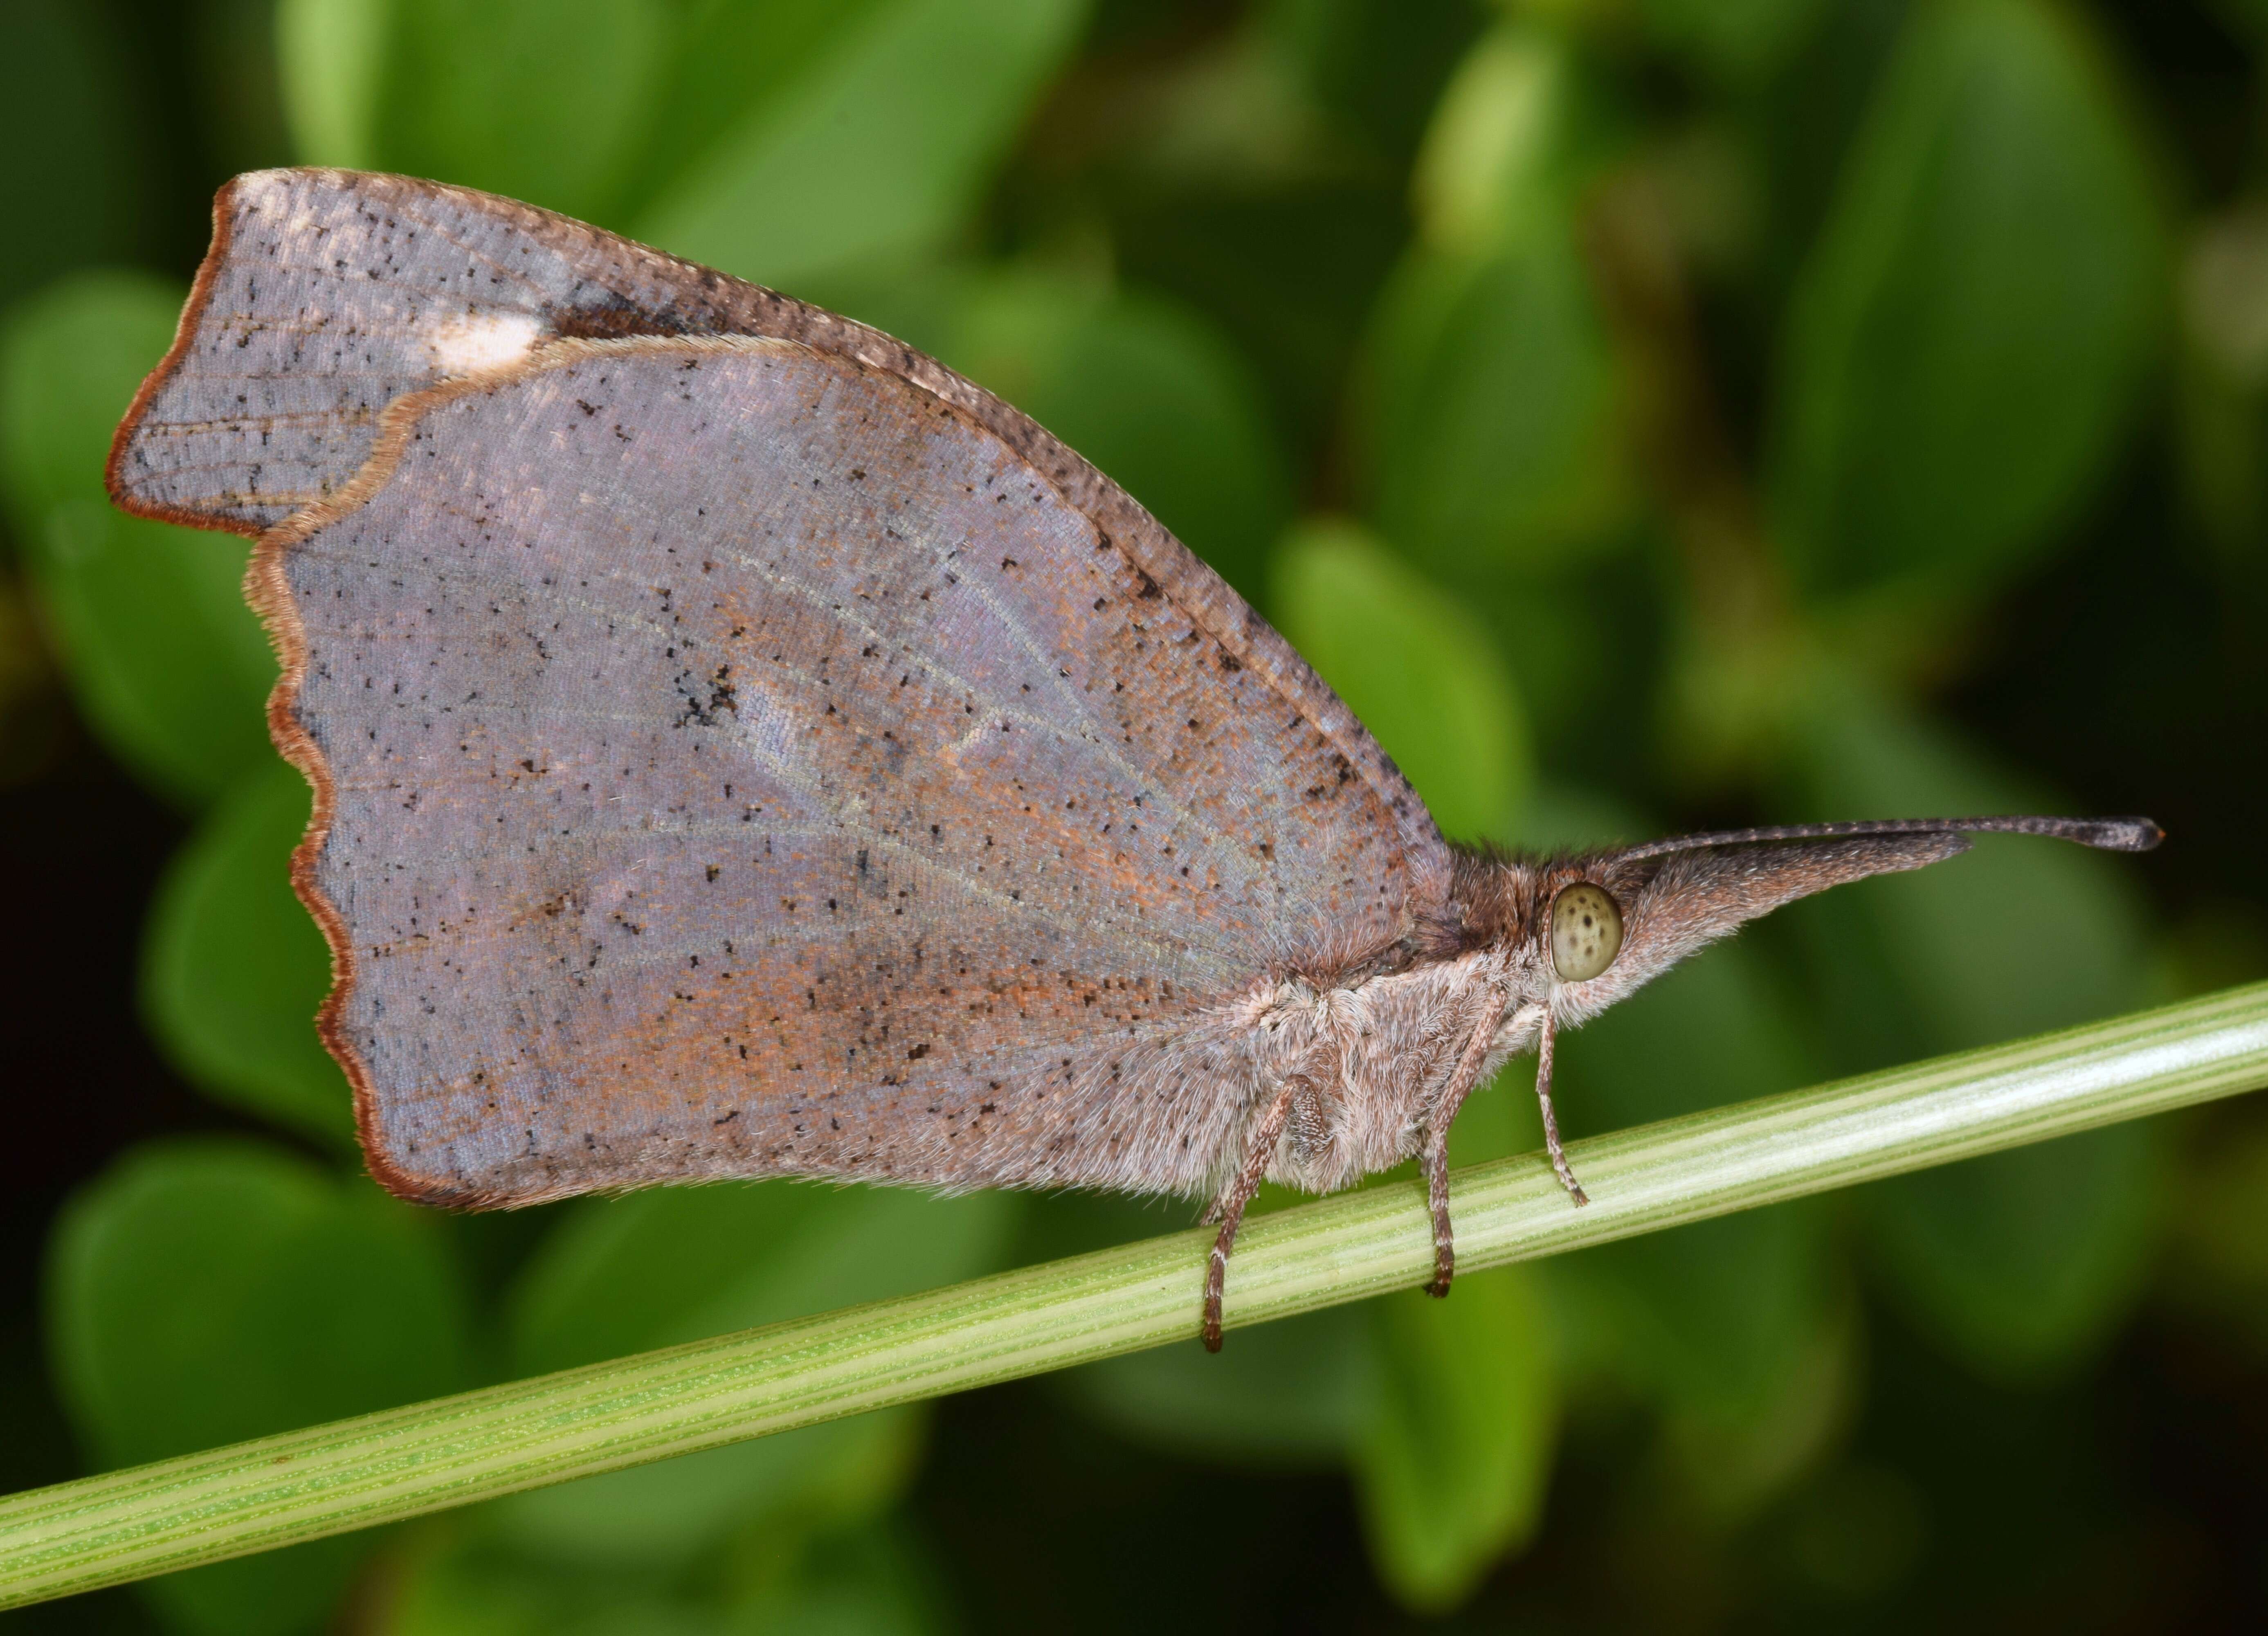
x: 329, y: 294
x: 747, y: 750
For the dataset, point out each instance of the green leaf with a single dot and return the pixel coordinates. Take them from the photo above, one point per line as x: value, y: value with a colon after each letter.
x: 1564, y: 816
x: 2248, y: 16
x: 1714, y: 1322
x: 166, y: 662
x: 1734, y: 1467
x: 2221, y: 431
x: 679, y: 1264
x: 2222, y: 439
x: 544, y: 101
x: 867, y: 1582
x: 1285, y: 1396
x: 201, y: 1293
x: 1134, y: 382
x: 2021, y: 1262
x: 207, y: 1291
x: 1966, y: 338
x: 881, y: 149
x: 1377, y: 66
x: 74, y: 192
x: 1738, y: 42
x: 1451, y: 1471
x: 331, y: 60
x: 873, y: 1580
x: 233, y: 969
x: 1490, y: 421
x: 1494, y: 147
x: 733, y: 60
x: 460, y: 1591
x: 1420, y: 673
x: 2221, y: 1235
x: 71, y: 360
x: 1491, y: 425
x: 1709, y: 1322
x: 1288, y: 275
x: 238, y: 100
x: 457, y: 90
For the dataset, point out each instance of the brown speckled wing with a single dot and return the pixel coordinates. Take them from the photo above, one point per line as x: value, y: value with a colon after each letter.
x: 741, y: 745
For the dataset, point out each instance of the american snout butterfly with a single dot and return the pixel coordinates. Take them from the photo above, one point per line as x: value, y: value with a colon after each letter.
x: 743, y: 747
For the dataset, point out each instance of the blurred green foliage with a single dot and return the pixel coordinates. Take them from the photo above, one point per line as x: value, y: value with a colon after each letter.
x: 233, y: 969
x: 1637, y: 411
x: 166, y: 659
x: 203, y: 1295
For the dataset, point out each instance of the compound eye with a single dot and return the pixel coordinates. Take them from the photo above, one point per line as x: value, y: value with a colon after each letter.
x: 1587, y: 932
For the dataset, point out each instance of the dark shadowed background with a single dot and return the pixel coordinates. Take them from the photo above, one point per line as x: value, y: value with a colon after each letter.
x: 1651, y: 414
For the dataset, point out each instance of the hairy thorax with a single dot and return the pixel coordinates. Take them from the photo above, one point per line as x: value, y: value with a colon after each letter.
x: 1369, y: 1060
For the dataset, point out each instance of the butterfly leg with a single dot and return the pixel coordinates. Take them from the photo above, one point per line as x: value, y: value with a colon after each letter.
x: 1434, y: 1156
x: 1436, y: 1162
x: 1229, y: 1207
x: 1550, y: 1125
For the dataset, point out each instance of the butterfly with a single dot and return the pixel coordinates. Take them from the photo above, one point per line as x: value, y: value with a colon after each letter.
x: 743, y: 747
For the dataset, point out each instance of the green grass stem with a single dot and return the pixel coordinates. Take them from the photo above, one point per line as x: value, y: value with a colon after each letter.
x: 403, y: 1462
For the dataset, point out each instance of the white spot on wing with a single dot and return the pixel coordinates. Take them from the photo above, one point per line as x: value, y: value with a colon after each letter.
x: 483, y: 340
x: 774, y: 734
